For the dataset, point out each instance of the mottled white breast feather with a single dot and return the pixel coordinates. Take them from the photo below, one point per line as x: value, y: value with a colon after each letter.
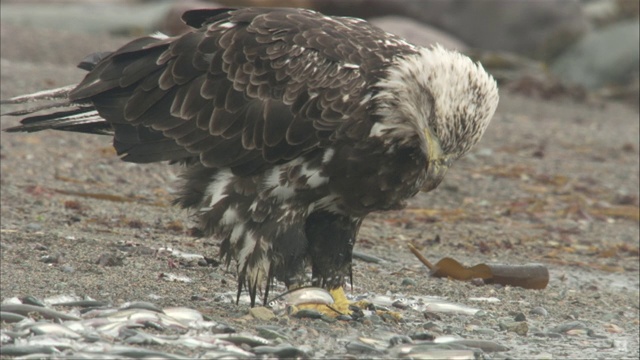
x: 218, y: 186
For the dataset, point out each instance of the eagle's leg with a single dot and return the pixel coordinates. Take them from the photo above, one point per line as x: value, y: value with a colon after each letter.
x: 331, y: 238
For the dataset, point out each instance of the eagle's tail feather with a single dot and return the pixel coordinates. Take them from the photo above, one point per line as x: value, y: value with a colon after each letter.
x: 52, y: 94
x: 85, y: 120
x: 35, y: 109
x: 77, y: 116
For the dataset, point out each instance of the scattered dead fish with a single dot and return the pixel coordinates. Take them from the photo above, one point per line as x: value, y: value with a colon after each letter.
x: 61, y: 299
x: 141, y: 353
x: 54, y: 330
x: 113, y: 329
x: 183, y: 314
x: 180, y: 254
x: 387, y: 300
x: 82, y: 303
x: 10, y: 317
x: 48, y: 340
x: 5, y: 338
x: 281, y: 351
x: 174, y: 278
x: 32, y: 300
x: 305, y: 295
x: 484, y: 345
x: 99, y: 312
x: 448, y: 308
x: 140, y: 316
x: 23, y: 350
x: 228, y: 353
x: 377, y: 343
x: 212, y: 326
x: 491, y: 299
x: 366, y: 257
x: 436, y: 354
x: 47, y: 313
x: 241, y: 338
x: 139, y: 337
x: 145, y: 305
x: 19, y: 333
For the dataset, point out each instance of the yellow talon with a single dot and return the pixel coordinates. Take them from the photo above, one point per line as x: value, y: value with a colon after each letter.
x: 340, y: 301
x: 339, y: 307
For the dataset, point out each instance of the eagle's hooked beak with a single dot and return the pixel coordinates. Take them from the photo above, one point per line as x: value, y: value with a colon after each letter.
x: 438, y: 162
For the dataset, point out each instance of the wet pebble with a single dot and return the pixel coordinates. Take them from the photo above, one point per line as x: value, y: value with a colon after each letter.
x: 110, y: 259
x: 271, y: 332
x: 358, y: 347
x: 400, y: 339
x: 307, y: 313
x: 543, y: 356
x: 67, y: 269
x: 366, y: 257
x: 540, y: 311
x: 408, y: 282
x: 520, y: 317
x: 373, y: 319
x: 262, y: 313
x: 52, y: 258
x: 520, y: 328
x: 613, y: 328
x: 431, y: 315
x: 484, y: 331
x: 484, y: 345
x: 552, y: 335
x: 344, y: 317
x: 422, y: 336
x: 33, y: 227
x: 568, y: 326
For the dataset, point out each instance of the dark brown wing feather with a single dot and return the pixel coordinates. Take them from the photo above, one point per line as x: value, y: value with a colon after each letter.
x: 250, y: 88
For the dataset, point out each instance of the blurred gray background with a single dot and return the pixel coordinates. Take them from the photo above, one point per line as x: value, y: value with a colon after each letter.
x: 544, y: 48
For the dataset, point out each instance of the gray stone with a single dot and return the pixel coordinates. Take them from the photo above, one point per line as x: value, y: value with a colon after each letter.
x: 609, y: 56
x: 262, y: 313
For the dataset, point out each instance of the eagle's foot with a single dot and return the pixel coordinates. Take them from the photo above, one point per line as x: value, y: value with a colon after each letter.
x: 342, y: 308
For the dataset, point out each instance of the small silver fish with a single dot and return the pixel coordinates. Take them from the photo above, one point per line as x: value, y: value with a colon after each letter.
x: 183, y: 314
x: 305, y: 295
x: 24, y: 309
x: 55, y: 330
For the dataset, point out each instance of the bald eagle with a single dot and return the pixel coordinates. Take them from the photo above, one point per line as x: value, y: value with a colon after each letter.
x: 292, y: 126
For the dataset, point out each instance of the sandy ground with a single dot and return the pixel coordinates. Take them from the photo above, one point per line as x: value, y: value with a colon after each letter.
x: 551, y: 182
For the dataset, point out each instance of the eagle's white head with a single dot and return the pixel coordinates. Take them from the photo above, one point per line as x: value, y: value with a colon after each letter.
x: 441, y: 96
